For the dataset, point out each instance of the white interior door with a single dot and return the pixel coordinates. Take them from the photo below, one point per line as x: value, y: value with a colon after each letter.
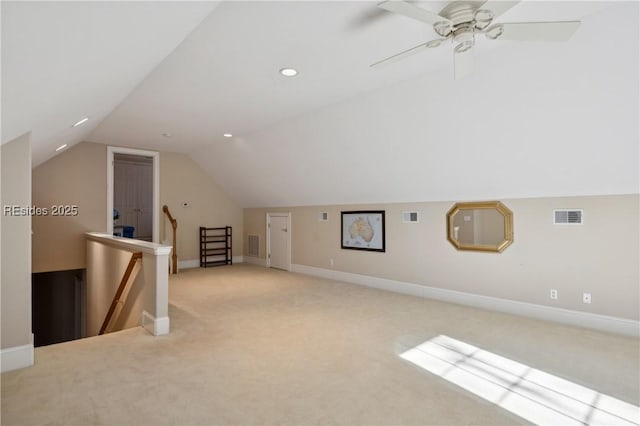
x: 279, y: 241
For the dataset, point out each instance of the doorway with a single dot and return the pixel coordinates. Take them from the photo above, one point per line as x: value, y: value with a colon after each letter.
x: 279, y: 241
x: 133, y: 190
x: 133, y: 196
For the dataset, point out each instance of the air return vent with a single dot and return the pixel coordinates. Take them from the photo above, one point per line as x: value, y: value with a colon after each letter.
x: 410, y: 217
x: 323, y: 216
x: 568, y: 217
x: 254, y: 245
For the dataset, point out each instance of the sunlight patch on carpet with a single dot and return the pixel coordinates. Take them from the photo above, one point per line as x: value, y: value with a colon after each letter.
x: 532, y: 394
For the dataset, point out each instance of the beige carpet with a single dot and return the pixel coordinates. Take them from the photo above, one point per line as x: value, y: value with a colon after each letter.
x: 251, y: 345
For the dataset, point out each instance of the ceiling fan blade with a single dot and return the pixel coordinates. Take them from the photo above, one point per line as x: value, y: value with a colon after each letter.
x: 463, y: 64
x: 498, y: 7
x: 409, y: 10
x: 368, y: 18
x: 398, y: 56
x: 538, y: 31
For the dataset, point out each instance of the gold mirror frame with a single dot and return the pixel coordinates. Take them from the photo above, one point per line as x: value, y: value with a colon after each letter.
x: 483, y: 205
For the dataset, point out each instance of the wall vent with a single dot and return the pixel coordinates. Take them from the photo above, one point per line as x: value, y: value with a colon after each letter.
x: 254, y: 245
x: 568, y: 216
x: 323, y: 217
x: 410, y: 217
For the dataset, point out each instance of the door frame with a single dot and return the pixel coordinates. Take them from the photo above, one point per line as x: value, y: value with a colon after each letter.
x: 155, y: 155
x: 268, y: 233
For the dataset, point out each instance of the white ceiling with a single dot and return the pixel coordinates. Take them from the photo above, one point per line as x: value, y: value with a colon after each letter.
x: 534, y: 120
x: 62, y: 61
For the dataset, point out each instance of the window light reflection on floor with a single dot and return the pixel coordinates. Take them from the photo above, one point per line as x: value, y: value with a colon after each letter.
x: 532, y: 394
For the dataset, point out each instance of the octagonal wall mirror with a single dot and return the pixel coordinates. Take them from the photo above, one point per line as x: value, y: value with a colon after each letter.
x: 480, y: 226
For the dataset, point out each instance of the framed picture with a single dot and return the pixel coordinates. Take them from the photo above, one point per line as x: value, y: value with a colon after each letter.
x: 363, y: 230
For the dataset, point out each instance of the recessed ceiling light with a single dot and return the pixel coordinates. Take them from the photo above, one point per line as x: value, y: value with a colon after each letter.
x: 84, y: 120
x: 288, y: 72
x: 61, y: 147
x: 228, y: 135
x: 167, y: 135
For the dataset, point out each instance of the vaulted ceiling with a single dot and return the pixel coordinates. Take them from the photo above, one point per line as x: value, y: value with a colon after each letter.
x: 535, y: 119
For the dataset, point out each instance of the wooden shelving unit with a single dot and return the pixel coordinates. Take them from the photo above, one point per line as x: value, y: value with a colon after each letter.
x: 215, y: 246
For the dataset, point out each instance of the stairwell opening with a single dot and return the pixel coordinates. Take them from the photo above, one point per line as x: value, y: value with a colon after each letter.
x: 58, y: 306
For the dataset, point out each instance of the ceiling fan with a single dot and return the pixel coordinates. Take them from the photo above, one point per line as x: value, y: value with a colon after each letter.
x: 462, y: 21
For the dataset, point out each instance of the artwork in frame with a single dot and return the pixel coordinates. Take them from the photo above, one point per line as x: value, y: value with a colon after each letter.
x: 363, y: 230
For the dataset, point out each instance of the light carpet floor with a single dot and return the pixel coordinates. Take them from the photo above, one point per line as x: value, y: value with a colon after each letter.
x: 250, y: 345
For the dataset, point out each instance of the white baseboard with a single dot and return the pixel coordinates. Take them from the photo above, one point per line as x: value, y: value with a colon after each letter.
x: 238, y: 259
x: 155, y: 326
x: 255, y: 260
x: 548, y: 313
x: 16, y: 357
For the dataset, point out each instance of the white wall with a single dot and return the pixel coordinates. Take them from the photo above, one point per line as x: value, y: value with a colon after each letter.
x: 601, y: 257
x: 17, y: 339
x: 77, y: 176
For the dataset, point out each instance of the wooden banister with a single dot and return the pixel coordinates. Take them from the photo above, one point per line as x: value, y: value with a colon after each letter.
x: 123, y: 283
x: 174, y: 225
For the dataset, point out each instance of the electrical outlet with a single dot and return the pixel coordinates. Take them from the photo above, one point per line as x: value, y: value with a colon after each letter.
x: 586, y: 297
x: 553, y: 294
x: 331, y: 262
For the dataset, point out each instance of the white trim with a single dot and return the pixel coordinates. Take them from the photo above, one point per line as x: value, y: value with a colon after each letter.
x: 237, y: 259
x: 111, y: 150
x: 130, y: 243
x: 260, y: 261
x: 268, y: 232
x: 17, y: 357
x: 548, y: 313
x: 155, y: 326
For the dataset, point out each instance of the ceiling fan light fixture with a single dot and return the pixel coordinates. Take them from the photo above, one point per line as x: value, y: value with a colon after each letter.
x: 494, y: 32
x: 483, y: 18
x: 464, y: 46
x: 443, y: 28
x: 464, y: 36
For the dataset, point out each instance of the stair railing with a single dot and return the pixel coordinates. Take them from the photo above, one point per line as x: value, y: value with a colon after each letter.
x: 174, y: 225
x: 123, y: 284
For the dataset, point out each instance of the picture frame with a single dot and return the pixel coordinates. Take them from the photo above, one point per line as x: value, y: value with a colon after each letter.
x: 363, y: 230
